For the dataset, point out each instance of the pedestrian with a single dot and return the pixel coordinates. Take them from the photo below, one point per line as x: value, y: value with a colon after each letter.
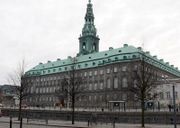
x: 169, y: 106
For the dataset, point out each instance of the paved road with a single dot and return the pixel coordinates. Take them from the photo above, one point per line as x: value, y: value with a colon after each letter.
x: 4, y: 123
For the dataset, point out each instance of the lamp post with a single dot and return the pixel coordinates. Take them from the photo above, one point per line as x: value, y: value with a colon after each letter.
x: 174, y: 104
x: 174, y: 99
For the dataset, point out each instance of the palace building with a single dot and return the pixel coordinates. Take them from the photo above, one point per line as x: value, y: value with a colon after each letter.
x: 105, y: 74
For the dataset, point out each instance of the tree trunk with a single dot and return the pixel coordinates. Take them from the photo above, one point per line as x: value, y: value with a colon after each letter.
x: 142, y: 113
x: 20, y: 109
x: 73, y: 108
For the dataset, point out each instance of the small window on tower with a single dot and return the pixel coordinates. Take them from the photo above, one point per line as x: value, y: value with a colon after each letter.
x: 84, y: 46
x: 94, y: 46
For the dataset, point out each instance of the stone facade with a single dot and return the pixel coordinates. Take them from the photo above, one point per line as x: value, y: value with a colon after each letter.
x: 102, y: 84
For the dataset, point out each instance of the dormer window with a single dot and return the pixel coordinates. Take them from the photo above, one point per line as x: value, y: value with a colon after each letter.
x: 124, y: 57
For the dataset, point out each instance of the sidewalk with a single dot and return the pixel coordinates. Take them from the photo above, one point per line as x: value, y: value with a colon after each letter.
x: 67, y: 124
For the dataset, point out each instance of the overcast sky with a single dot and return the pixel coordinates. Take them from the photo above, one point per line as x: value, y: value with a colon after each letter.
x: 42, y: 30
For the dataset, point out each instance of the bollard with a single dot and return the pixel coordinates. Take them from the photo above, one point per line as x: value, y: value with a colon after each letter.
x: 46, y: 121
x: 88, y: 123
x: 21, y: 122
x: 10, y: 125
x: 114, y: 123
x: 27, y: 120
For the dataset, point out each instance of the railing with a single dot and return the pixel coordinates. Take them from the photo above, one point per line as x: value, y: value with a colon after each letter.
x: 98, y: 109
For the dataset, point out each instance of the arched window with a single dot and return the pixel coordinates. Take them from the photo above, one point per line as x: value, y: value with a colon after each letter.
x: 84, y: 46
x: 94, y: 46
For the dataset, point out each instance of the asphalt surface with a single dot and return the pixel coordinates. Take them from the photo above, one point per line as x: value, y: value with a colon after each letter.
x: 4, y: 123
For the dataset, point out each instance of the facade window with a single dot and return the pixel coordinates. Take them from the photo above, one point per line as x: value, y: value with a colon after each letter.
x: 44, y: 90
x: 50, y: 90
x: 95, y: 98
x: 90, y: 73
x: 168, y: 95
x: 101, y: 85
x: 115, y: 97
x: 80, y: 98
x: 124, y: 68
x: 95, y: 86
x: 107, y: 97
x: 108, y: 70
x: 85, y: 74
x: 90, y: 86
x: 115, y: 69
x: 89, y: 98
x: 40, y: 90
x: 95, y: 73
x: 124, y: 82
x: 115, y: 82
x: 101, y: 71
x: 100, y: 97
x: 31, y: 90
x: 135, y: 67
x: 47, y: 90
x: 37, y: 90
x: 161, y: 95
x: 124, y: 96
x: 108, y: 83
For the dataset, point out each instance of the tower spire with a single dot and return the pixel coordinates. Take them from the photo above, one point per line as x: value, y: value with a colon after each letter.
x: 89, y: 41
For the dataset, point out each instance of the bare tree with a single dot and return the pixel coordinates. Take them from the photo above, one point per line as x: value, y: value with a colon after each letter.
x: 18, y: 78
x: 71, y: 88
x: 144, y: 78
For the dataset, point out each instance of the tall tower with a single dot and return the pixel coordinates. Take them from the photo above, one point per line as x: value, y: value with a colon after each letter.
x: 88, y: 41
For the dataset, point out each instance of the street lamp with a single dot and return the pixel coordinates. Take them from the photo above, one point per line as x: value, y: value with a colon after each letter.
x: 174, y: 104
x: 174, y: 100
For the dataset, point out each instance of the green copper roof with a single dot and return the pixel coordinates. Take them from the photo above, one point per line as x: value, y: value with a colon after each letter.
x: 90, y: 57
x: 126, y: 53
